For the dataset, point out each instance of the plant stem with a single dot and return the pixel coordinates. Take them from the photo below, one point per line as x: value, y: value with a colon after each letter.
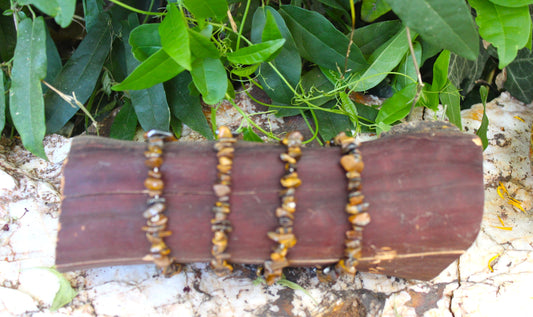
x: 420, y: 84
x: 135, y: 9
x: 245, y: 116
x: 241, y: 27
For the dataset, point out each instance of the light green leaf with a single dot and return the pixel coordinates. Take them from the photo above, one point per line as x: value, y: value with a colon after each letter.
x: 79, y: 75
x: 156, y: 69
x: 209, y: 77
x: 373, y: 9
x: 204, y: 9
x: 451, y: 99
x: 520, y: 76
x: 320, y: 42
x: 2, y: 103
x: 256, y: 53
x: 288, y: 62
x: 369, y: 38
x: 175, y: 37
x: 382, y: 61
x: 61, y: 10
x: 508, y: 29
x: 398, y: 106
x: 407, y: 68
x: 348, y: 106
x: 201, y: 46
x: 185, y: 106
x: 245, y: 71
x: 125, y: 123
x: 248, y: 134
x: 447, y: 24
x: 440, y: 71
x: 26, y: 99
x: 65, y: 294
x: 145, y: 40
x: 512, y: 3
x: 482, y: 131
x: 176, y: 126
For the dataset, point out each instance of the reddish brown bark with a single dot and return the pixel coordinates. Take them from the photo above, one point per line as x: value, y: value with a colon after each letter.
x: 425, y: 192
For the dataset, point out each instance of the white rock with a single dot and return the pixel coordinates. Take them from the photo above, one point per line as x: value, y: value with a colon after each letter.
x: 7, y: 182
x: 40, y: 283
x: 15, y: 302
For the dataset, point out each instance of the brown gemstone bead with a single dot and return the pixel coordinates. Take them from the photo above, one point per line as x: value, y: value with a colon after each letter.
x: 341, y: 266
x: 224, y: 168
x: 350, y: 163
x: 154, y: 174
x: 361, y: 219
x: 353, y: 243
x: 281, y: 212
x: 354, y: 234
x: 354, y: 185
x: 153, y: 162
x: 221, y: 190
x: 158, y: 247
x: 153, y: 239
x: 154, y: 183
x: 223, y: 160
x: 155, y: 149
x: 295, y: 152
x: 226, y: 152
x: 291, y: 180
x: 153, y: 210
x: 288, y: 240
x: 356, y: 198
x: 287, y: 158
x: 224, y: 132
x: 157, y: 220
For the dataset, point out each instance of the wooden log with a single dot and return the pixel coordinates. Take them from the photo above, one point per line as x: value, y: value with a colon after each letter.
x: 425, y: 192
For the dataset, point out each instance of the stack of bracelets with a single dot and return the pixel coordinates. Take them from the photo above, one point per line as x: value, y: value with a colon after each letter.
x: 351, y: 161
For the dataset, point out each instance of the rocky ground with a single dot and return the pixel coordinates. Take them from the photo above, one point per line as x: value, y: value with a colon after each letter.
x: 493, y: 278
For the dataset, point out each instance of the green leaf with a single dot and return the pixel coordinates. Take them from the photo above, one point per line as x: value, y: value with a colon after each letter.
x: 145, y: 40
x: 92, y: 8
x: 520, y: 76
x: 483, y: 128
x: 512, y: 3
x: 125, y: 123
x: 440, y: 71
x: 201, y: 46
x: 407, y: 68
x: 447, y: 24
x: 156, y: 69
x: 8, y: 38
x: 2, y: 103
x: 65, y: 294
x: 204, y: 9
x: 372, y: 36
x: 508, y: 29
x: 175, y: 37
x: 288, y: 62
x: 464, y: 73
x: 185, y: 106
x: 451, y: 99
x: 79, y: 75
x: 53, y: 60
x: 256, y: 53
x: 348, y: 106
x: 150, y: 104
x: 320, y: 42
x: 248, y: 134
x: 315, y: 86
x: 177, y: 126
x: 330, y: 124
x: 209, y: 77
x: 26, y: 99
x: 373, y: 9
x: 398, y: 106
x: 382, y: 61
x: 61, y: 10
x: 245, y: 71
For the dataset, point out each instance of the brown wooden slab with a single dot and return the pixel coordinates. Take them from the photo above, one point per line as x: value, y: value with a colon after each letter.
x: 425, y: 191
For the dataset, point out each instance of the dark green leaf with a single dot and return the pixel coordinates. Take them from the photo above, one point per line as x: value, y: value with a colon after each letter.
x: 201, y: 46
x: 270, y: 30
x: 464, y: 73
x: 209, y: 77
x: 79, y: 75
x: 156, y: 69
x: 92, y: 9
x: 398, y: 106
x: 248, y: 134
x: 330, y: 124
x: 508, y: 29
x: 512, y: 3
x: 145, y: 41
x: 482, y: 131
x: 185, y: 106
x: 288, y: 62
x: 407, y: 68
x: 61, y: 10
x: 372, y: 36
x: 451, y: 100
x: 177, y: 126
x: 125, y: 123
x: 315, y: 85
x: 8, y: 38
x: 2, y: 103
x: 348, y: 106
x: 204, y: 9
x: 373, y: 9
x: 520, y: 76
x: 382, y: 61
x: 256, y: 53
x: 320, y: 42
x: 175, y: 37
x: 447, y: 24
x: 53, y: 60
x: 151, y: 106
x: 26, y: 99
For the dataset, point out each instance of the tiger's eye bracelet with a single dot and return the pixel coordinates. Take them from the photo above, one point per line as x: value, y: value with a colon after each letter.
x: 352, y: 163
x: 220, y: 224
x: 156, y: 222
x: 283, y: 235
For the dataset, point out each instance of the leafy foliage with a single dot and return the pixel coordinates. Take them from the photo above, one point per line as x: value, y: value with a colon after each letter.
x: 165, y: 67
